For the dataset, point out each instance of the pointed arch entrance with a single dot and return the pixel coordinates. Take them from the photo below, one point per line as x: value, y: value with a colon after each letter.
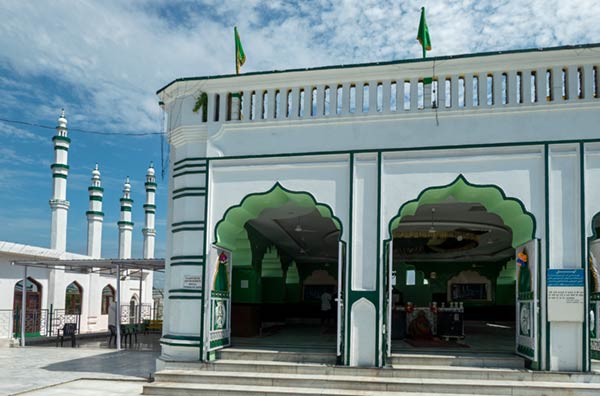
x: 462, y: 263
x: 33, y: 307
x: 282, y: 255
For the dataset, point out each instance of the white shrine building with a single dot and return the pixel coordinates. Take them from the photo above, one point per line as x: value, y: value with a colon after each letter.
x: 475, y: 196
x: 55, y: 296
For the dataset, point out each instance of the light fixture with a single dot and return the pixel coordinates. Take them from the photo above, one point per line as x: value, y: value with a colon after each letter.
x: 459, y: 238
x: 432, y: 228
x: 298, y: 228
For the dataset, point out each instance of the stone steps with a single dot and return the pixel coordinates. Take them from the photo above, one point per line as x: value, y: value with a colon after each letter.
x: 201, y: 382
x: 460, y: 360
x: 399, y: 371
x: 266, y: 372
x: 276, y: 356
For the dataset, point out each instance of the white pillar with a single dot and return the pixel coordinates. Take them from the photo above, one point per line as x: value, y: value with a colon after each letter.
x: 60, y: 170
x: 150, y: 212
x: 125, y: 224
x: 95, y: 216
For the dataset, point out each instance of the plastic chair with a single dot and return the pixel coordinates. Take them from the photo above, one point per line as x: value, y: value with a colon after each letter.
x: 68, y: 330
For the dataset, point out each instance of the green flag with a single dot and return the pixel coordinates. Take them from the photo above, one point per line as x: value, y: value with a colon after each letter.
x: 240, y: 56
x: 423, y: 33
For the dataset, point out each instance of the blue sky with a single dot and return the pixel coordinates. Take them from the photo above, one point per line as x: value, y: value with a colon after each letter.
x: 103, y: 61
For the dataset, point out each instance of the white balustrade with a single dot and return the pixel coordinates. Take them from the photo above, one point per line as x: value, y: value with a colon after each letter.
x: 380, y: 95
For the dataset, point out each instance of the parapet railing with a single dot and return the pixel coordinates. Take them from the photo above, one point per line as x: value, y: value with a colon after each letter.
x: 443, y: 90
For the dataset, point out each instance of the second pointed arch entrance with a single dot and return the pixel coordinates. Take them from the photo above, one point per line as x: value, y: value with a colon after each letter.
x: 276, y: 277
x: 463, y: 264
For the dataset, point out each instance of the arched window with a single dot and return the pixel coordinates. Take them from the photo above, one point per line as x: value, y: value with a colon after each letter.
x: 133, y: 307
x: 33, y: 305
x: 73, y: 299
x: 108, y: 296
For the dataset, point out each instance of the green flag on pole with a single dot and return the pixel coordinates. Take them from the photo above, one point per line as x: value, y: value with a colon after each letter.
x: 423, y: 33
x: 240, y: 56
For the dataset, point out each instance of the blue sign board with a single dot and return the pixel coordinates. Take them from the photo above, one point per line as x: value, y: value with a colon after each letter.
x: 565, y: 278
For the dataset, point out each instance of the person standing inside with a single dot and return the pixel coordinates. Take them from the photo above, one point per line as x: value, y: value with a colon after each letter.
x: 325, y: 307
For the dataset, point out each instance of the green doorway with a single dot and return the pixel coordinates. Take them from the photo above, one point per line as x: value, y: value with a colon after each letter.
x: 285, y: 272
x: 452, y: 260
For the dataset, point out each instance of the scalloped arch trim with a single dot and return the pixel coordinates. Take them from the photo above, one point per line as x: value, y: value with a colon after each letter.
x: 511, y: 210
x: 232, y: 224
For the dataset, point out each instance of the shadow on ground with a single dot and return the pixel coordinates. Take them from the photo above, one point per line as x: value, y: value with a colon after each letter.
x: 126, y: 363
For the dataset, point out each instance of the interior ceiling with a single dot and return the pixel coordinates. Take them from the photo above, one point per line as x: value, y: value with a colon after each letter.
x: 306, y: 236
x: 465, y: 232
x: 299, y: 231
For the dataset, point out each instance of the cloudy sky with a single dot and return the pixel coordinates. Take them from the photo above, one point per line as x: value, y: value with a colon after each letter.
x: 103, y: 61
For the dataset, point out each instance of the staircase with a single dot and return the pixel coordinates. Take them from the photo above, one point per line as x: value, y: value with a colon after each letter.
x: 270, y: 373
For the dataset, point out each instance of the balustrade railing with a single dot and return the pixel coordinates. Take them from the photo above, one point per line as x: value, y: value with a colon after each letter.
x: 441, y: 88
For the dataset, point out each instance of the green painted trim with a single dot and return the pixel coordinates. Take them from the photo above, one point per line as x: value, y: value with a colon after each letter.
x: 405, y: 149
x: 150, y: 211
x: 187, y: 264
x: 179, y: 345
x: 126, y: 200
x: 150, y: 184
x: 585, y: 337
x: 59, y: 175
x: 61, y: 148
x: 190, y: 166
x: 96, y: 198
x: 59, y: 166
x: 151, y: 206
x: 187, y: 229
x: 286, y: 195
x: 125, y: 208
x: 205, y: 243
x: 94, y: 212
x: 189, y: 189
x: 181, y: 337
x: 125, y: 223
x: 190, y: 173
x: 409, y: 207
x: 61, y: 138
x: 181, y: 161
x: 185, y: 291
x: 378, y: 319
x: 94, y: 188
x: 547, y: 244
x: 189, y: 195
x: 185, y: 298
x: 347, y: 305
x: 395, y: 62
x: 197, y: 222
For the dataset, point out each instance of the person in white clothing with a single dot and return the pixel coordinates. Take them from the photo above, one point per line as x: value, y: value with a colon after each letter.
x: 325, y: 307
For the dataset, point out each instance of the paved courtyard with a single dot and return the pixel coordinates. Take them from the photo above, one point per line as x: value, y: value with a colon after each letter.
x: 87, y: 370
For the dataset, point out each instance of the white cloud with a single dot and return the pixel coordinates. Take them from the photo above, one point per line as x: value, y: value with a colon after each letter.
x: 114, y: 55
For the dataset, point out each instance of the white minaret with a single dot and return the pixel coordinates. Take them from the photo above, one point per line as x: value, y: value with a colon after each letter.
x: 125, y: 224
x: 60, y: 171
x: 95, y: 216
x: 150, y: 212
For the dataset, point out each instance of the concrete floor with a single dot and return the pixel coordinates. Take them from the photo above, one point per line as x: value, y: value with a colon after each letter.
x: 61, y: 370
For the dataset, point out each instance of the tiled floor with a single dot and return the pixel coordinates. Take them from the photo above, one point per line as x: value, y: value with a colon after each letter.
x: 35, y: 367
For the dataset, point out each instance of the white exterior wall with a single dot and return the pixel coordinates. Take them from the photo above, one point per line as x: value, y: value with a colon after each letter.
x: 396, y: 154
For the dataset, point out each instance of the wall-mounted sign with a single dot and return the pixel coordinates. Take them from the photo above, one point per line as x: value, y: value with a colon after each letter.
x: 566, y: 295
x: 192, y: 282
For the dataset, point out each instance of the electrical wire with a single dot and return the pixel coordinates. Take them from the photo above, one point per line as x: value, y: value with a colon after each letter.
x: 32, y: 124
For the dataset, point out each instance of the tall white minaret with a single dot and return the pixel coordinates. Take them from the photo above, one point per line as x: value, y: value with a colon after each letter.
x: 150, y: 212
x: 95, y: 216
x: 60, y: 171
x: 125, y: 224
